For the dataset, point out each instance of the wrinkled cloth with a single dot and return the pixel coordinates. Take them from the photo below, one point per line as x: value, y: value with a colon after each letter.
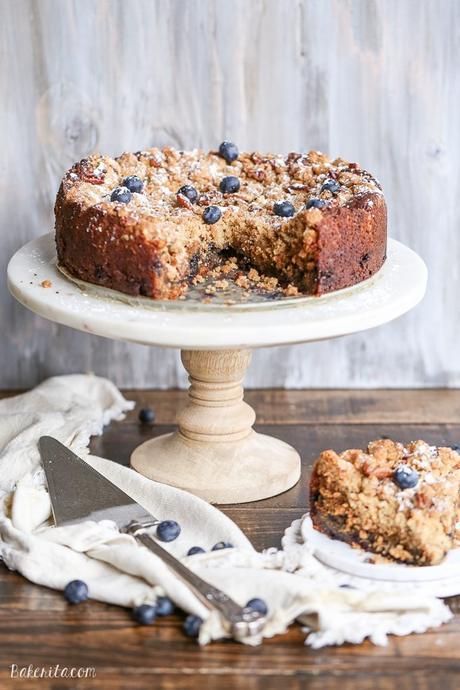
x: 118, y: 570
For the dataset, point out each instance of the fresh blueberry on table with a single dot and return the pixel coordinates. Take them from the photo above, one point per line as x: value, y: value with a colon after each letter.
x: 211, y: 214
x: 164, y: 606
x: 315, y: 203
x: 258, y: 605
x: 222, y: 545
x: 145, y: 614
x: 192, y: 625
x: 168, y: 530
x: 283, y: 208
x: 76, y: 591
x: 147, y: 415
x: 229, y: 151
x: 189, y: 192
x: 330, y: 186
x: 133, y: 183
x: 121, y: 194
x: 405, y: 477
x: 195, y: 549
x: 229, y: 184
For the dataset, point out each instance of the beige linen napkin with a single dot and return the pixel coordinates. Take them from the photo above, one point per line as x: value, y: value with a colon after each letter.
x: 120, y: 571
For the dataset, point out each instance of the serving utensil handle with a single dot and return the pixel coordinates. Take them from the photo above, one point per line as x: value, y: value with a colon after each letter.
x: 241, y: 621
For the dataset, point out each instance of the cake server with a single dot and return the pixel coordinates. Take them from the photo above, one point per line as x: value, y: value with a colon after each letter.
x: 78, y: 492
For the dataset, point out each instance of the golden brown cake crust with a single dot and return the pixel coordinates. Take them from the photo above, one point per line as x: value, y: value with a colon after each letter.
x: 355, y: 497
x: 152, y: 245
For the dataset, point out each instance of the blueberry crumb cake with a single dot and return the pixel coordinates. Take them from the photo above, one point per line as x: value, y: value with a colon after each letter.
x: 397, y: 500
x: 153, y: 222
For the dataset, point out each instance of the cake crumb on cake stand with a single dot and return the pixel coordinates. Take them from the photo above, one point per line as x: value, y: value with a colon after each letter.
x: 215, y: 453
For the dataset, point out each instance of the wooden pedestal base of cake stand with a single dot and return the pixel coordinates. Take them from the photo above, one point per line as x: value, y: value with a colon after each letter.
x: 215, y: 453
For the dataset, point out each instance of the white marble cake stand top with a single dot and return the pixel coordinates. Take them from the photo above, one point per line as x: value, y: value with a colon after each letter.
x: 395, y: 289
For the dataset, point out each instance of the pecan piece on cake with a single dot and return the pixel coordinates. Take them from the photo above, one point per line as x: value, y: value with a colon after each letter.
x: 137, y: 222
x: 398, y: 500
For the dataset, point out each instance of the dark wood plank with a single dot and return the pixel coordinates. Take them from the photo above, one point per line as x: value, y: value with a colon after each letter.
x: 275, y: 406
x: 37, y: 627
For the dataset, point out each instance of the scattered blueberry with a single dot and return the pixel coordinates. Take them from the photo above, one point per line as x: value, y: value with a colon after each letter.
x: 283, y: 208
x: 405, y: 477
x: 315, y: 203
x: 258, y: 605
x: 211, y: 214
x: 222, y: 545
x: 194, y: 550
x: 144, y: 614
x: 121, y: 194
x: 146, y: 415
x: 229, y: 151
x: 168, y: 530
x: 330, y: 186
x: 76, y: 591
x: 192, y: 625
x: 189, y: 192
x: 164, y: 606
x: 133, y: 183
x: 229, y: 185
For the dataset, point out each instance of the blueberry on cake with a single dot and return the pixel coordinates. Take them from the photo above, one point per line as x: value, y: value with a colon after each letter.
x: 148, y: 223
x: 398, y: 500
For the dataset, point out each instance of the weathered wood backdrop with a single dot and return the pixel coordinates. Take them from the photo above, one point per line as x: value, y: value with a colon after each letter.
x: 377, y: 81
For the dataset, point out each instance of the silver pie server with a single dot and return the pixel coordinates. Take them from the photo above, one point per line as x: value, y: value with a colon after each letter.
x: 78, y: 492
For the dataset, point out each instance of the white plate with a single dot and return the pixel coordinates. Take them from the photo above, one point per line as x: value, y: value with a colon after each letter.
x: 395, y: 289
x: 341, y: 556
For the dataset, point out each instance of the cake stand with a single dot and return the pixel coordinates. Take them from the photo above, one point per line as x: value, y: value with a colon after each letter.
x: 215, y: 453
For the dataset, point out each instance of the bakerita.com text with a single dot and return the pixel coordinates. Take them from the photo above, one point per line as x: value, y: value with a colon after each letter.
x: 56, y: 671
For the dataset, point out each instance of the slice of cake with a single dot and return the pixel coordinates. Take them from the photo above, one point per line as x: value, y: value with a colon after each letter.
x: 401, y: 501
x: 148, y: 223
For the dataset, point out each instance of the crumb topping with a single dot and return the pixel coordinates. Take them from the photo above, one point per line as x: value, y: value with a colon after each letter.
x: 265, y: 179
x: 435, y: 466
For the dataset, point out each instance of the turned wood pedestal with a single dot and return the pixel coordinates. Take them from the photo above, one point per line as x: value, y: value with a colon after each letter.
x: 215, y: 453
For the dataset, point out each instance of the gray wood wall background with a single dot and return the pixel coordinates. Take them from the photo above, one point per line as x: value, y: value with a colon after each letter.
x: 377, y: 81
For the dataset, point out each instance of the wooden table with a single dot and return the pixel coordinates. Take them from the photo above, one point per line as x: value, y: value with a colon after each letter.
x: 38, y: 628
